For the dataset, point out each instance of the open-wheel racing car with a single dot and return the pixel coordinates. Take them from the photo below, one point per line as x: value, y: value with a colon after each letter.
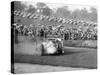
x: 52, y: 46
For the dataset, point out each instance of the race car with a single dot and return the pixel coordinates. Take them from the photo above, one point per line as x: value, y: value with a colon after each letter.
x: 52, y: 46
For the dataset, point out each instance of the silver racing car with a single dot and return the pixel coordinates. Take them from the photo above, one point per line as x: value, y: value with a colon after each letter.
x: 52, y: 46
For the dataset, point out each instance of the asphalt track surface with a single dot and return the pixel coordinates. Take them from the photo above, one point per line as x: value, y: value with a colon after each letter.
x: 73, y: 57
x: 23, y: 68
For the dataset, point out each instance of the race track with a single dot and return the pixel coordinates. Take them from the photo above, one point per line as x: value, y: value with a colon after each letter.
x: 21, y: 68
x: 73, y: 57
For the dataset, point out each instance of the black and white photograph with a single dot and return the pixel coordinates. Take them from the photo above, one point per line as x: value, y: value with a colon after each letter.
x: 53, y: 37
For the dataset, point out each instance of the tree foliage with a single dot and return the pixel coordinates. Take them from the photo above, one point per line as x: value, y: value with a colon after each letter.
x: 81, y: 14
x: 41, y: 5
x: 31, y: 9
x: 44, y: 9
x: 62, y: 12
x: 19, y: 6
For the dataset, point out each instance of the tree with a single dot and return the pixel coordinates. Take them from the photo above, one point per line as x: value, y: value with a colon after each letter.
x: 31, y: 9
x: 75, y: 14
x: 63, y: 12
x: 18, y: 5
x: 93, y: 14
x: 42, y: 8
x: 41, y: 5
x: 84, y: 14
x: 47, y: 11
